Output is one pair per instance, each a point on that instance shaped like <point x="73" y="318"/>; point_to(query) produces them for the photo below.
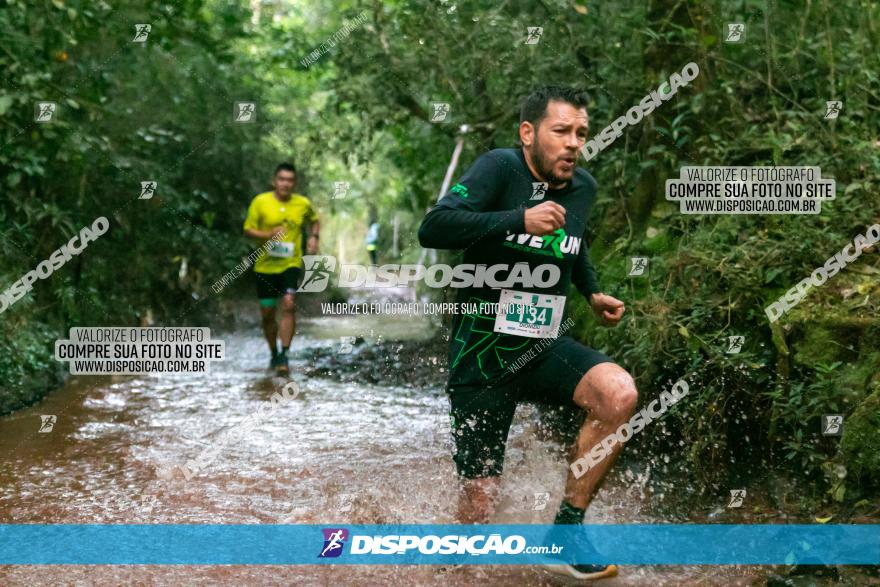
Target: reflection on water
<point x="339" y="452"/>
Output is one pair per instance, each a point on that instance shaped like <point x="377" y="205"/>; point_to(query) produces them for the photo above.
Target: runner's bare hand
<point x="607" y="308"/>
<point x="544" y="218"/>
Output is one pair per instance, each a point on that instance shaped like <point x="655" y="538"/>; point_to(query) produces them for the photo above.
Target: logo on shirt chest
<point x="557" y="244"/>
<point x="289" y="215"/>
<point x="539" y="190"/>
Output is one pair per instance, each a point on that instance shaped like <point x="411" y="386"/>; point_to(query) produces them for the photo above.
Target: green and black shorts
<point x="271" y="286"/>
<point x="481" y="416"/>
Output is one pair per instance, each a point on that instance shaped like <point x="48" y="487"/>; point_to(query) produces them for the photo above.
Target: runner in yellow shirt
<point x="279" y="267"/>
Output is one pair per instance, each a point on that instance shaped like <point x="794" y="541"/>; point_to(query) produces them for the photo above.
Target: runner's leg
<point x="270" y="328"/>
<point x="476" y="502"/>
<point x="290" y="280"/>
<point x="609" y="393"/>
<point x="576" y="375"/>
<point x="480" y="421"/>
<point x="268" y="291"/>
<point x="288" y="319"/>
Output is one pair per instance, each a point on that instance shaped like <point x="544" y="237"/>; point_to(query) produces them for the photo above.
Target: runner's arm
<point x="444" y="228"/>
<point x="311" y="218"/>
<point x="466" y="214"/>
<point x="261" y="234"/>
<point x="314" y="233"/>
<point x="584" y="275"/>
<point x="314" y="230"/>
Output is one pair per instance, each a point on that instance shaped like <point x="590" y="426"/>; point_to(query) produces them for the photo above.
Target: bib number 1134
<point x="529" y="314"/>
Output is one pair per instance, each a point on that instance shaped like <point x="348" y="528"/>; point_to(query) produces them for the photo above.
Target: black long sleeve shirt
<point x="484" y="214"/>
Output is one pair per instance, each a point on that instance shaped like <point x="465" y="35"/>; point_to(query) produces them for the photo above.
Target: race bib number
<point x="280" y="249"/>
<point x="529" y="314"/>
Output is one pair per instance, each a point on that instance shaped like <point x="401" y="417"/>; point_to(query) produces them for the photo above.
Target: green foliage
<point x="861" y="435"/>
<point x="127" y="112"/>
<point x="27" y="370"/>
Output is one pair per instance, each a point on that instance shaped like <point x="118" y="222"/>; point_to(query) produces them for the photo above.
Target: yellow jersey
<point x="266" y="212"/>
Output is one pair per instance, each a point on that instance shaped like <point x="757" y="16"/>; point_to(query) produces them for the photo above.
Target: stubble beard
<point x="545" y="169"/>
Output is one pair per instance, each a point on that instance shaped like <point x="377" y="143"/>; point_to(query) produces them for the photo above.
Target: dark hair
<point x="285" y="167"/>
<point x="534" y="107"/>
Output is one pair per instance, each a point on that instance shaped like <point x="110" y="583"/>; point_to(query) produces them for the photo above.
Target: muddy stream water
<point x="346" y="450"/>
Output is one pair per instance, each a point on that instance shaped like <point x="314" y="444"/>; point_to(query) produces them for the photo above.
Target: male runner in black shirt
<point x="528" y="205"/>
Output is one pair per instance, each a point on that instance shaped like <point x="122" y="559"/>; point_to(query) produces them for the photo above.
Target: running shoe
<point x="581" y="571"/>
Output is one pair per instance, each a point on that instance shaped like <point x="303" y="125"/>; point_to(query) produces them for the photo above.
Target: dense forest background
<point x="162" y="110"/>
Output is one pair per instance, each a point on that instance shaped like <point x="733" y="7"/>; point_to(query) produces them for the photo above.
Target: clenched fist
<point x="608" y="309"/>
<point x="544" y="218"/>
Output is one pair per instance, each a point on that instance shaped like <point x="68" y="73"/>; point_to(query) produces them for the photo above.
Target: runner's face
<point x="284" y="182"/>
<point x="560" y="135"/>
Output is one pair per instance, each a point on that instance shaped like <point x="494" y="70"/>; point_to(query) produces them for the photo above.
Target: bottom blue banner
<point x="636" y="544"/>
